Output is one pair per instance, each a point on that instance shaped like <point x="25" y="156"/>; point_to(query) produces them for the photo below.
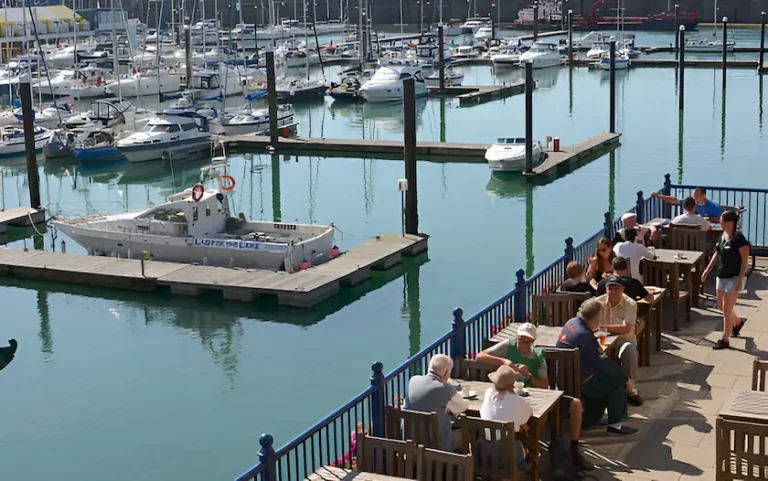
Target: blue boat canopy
<point x="255" y="95"/>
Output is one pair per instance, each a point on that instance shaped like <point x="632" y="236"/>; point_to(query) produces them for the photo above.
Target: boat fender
<point x="197" y="192"/>
<point x="335" y="252"/>
<point x="304" y="266"/>
<point x="226" y="186"/>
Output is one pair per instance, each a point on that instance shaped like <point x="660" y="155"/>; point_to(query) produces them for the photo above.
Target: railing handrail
<point x="714" y="188"/>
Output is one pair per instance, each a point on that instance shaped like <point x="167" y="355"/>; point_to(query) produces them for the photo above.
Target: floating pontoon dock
<point x="469" y="95"/>
<point x="20" y="216"/>
<point x="301" y="289"/>
<point x="568" y="156"/>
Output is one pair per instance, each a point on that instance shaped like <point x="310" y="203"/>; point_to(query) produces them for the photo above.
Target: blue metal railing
<point x="332" y="440"/>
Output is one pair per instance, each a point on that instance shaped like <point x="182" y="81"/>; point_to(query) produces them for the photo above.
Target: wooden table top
<point x="541" y="400"/>
<point x="671" y="256"/>
<point x="716" y="227"/>
<point x="658" y="296"/>
<point x="330" y="473"/>
<point x="749" y="406"/>
<point x="546" y="336"/>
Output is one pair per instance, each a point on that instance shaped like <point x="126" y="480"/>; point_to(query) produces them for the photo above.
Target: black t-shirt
<point x="730" y="258"/>
<point x="571" y="286"/>
<point x="632" y="288"/>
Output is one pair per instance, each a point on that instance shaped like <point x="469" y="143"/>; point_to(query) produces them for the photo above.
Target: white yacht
<point x="82" y="83"/>
<point x="453" y="78"/>
<point x="195" y="226"/>
<point x="598" y="49"/>
<point x="542" y="55"/>
<point x="465" y="52"/>
<point x="508" y="155"/>
<point x="184" y="132"/>
<point x="472" y="25"/>
<point x="508" y="55"/>
<point x="145" y="83"/>
<point x="484" y="33"/>
<point x="12" y="141"/>
<point x="247" y="121"/>
<point x="386" y="85"/>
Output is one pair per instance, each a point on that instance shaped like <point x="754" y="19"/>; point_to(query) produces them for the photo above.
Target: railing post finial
<point x="639" y="208"/>
<point x="459" y="345"/>
<point x="667" y="184"/>
<point x="377" y="400"/>
<point x="568" y="250"/>
<point x="267" y="457"/>
<point x="520" y="296"/>
<point x="608" y="226"/>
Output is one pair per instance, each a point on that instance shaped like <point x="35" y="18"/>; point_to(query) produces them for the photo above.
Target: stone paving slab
<point x="684" y="389"/>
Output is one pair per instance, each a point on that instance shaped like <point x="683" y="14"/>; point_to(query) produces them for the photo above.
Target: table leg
<point x="695" y="285"/>
<point x="536" y="450"/>
<point x="658" y="325"/>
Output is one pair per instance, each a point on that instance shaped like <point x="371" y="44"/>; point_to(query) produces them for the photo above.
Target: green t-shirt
<point x="536" y="363"/>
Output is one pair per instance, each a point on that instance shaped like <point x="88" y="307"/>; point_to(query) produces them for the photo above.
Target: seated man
<point x="501" y="404"/>
<point x="575" y="281"/>
<point x="704" y="207"/>
<point x="645" y="233"/>
<point x="619" y="316"/>
<point x="690" y="217"/>
<point x="531" y="368"/>
<point x="633" y="252"/>
<point x="632" y="287"/>
<point x="603" y="382"/>
<point x="431" y="393"/>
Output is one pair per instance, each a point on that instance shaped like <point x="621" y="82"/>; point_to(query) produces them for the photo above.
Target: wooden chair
<point x="471" y="370"/>
<point x="643" y="333"/>
<point x="667" y="275"/>
<point x="564" y="370"/>
<point x="687" y="238"/>
<point x="553" y="309"/>
<point x="435" y="465"/>
<point x="496" y="458"/>
<point x="759" y="374"/>
<point x="741" y="450"/>
<point x="487" y="344"/>
<point x="421" y="428"/>
<point x="386" y="456"/>
<point x="578" y="300"/>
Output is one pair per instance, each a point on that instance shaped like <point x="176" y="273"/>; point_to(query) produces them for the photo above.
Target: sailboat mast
<point x="440" y="6"/>
<point x="115" y="62"/>
<point x="401" y="18"/>
<point x="714" y="21"/>
<point x="306" y="37"/>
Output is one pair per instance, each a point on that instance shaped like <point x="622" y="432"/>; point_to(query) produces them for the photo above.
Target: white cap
<point x="628" y="215"/>
<point x="527" y="329"/>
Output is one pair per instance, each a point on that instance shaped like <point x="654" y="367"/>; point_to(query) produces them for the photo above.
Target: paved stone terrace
<point x="684" y="389"/>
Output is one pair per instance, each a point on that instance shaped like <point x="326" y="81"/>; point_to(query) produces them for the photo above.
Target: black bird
<point x="7" y="353"/>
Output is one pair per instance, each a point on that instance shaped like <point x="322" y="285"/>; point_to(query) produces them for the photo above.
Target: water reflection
<point x="570" y="91"/>
<point x="544" y="77"/>
<point x="387" y="117"/>
<point x="680" y="149"/>
<point x="45" y="335"/>
<point x="722" y="127"/>
<point x="277" y="214"/>
<point x="612" y="183"/>
<point x="528" y="229"/>
<point x="760" y="103"/>
<point x="507" y="184"/>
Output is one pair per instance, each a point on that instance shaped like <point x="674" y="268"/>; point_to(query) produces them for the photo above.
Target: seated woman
<point x="575" y="281"/>
<point x="500" y="404"/>
<point x="600" y="264"/>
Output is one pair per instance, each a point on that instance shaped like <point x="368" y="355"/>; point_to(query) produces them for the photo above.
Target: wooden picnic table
<point x="543" y="402"/>
<point x="746" y="406"/>
<point x="546" y="336"/>
<point x="645" y="308"/>
<point x="686" y="261"/>
<point x="331" y="473"/>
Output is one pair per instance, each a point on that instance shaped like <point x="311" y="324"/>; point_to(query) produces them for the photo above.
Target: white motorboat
<point x="386" y="85"/>
<point x="195" y="226"/>
<point x="248" y="121"/>
<point x="465" y="52"/>
<point x="588" y="39"/>
<point x="145" y="83"/>
<point x="508" y="155"/>
<point x="114" y="113"/>
<point x="484" y="33"/>
<point x="709" y="46"/>
<point x="12" y="140"/>
<point x="598" y="50"/>
<point x="54" y="113"/>
<point x="301" y="58"/>
<point x="507" y="56"/>
<point x="621" y="62"/>
<point x="453" y="78"/>
<point x="209" y="82"/>
<point x="472" y="25"/>
<point x="542" y="55"/>
<point x="86" y="82"/>
<point x="184" y="132"/>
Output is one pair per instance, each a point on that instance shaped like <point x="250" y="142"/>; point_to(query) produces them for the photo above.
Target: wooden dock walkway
<point x="301" y="289"/>
<point x="475" y="95"/>
<point x="464" y="152"/>
<point x="20" y="216"/>
<point x="570" y="155"/>
<point x="671" y="62"/>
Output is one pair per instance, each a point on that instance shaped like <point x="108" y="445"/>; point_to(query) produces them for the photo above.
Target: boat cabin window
<point x="207" y="210"/>
<point x="194" y="213"/>
<point x="189" y="127"/>
<point x="161" y="128"/>
<point x="405" y="76"/>
<point x="165" y="215"/>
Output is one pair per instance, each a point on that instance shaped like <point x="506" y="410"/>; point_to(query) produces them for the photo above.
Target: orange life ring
<point x="230" y="185"/>
<point x="197" y="192"/>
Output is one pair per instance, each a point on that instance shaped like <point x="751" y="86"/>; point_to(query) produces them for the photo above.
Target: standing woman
<point x="600" y="264"/>
<point x="733" y="251"/>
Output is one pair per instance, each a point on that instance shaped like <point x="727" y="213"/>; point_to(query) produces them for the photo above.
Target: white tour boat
<point x="195" y="226"/>
<point x="508" y="155"/>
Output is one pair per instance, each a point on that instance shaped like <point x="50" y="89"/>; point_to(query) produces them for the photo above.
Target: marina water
<point x="121" y="385"/>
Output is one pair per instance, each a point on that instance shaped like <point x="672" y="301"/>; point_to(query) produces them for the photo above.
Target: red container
<point x="556" y="144"/>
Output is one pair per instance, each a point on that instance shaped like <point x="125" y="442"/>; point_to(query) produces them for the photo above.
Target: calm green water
<point x="118" y="385"/>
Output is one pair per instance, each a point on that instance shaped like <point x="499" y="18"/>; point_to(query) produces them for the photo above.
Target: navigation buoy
<point x="197" y="192"/>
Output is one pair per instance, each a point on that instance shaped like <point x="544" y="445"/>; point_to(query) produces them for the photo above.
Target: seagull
<point x="7" y="353"/>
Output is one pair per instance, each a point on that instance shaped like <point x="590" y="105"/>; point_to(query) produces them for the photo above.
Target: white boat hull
<point x="451" y="81"/>
<point x="144" y="153"/>
<point x="132" y="87"/>
<point x="88" y="91"/>
<point x="511" y="158"/>
<point x="261" y="126"/>
<point x="17" y="147"/>
<point x="502" y="60"/>
<point x="619" y="64"/>
<point x="208" y="251"/>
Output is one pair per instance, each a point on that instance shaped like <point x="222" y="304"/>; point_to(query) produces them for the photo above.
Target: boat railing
<point x="332" y="440"/>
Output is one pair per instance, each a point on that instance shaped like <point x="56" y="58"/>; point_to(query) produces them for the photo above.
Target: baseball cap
<point x="614" y="281"/>
<point x="628" y="215"/>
